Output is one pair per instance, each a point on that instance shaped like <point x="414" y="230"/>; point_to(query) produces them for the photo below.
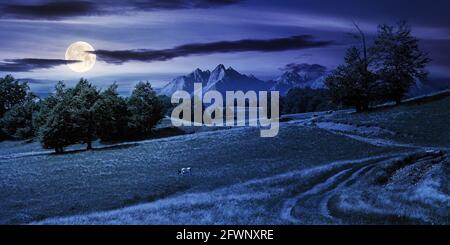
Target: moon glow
<point x="78" y="51"/>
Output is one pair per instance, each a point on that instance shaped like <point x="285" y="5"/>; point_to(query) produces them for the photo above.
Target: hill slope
<point x="389" y="167"/>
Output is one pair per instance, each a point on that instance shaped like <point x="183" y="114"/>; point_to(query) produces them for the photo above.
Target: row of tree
<point x="17" y="105"/>
<point x="384" y="71"/>
<point x="301" y="100"/>
<point x="77" y="115"/>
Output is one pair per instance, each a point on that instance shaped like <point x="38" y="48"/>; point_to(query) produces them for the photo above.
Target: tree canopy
<point x="144" y="108"/>
<point x="83" y="114"/>
<point x="398" y="60"/>
<point x="383" y="72"/>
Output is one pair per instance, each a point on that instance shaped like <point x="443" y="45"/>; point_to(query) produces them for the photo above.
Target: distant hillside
<point x="303" y="76"/>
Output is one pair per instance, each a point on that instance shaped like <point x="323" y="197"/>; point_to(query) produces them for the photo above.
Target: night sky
<point x="157" y="40"/>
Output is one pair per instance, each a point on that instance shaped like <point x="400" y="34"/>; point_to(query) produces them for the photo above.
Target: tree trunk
<point x="89" y="145"/>
<point x="365" y="107"/>
<point x="359" y="108"/>
<point x="362" y="107"/>
<point x="398" y="101"/>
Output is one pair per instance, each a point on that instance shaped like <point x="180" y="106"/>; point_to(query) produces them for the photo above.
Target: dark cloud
<point x="49" y="10"/>
<point x="179" y="4"/>
<point x="71" y="8"/>
<point x="24" y="65"/>
<point x="304" y="67"/>
<point x="268" y="45"/>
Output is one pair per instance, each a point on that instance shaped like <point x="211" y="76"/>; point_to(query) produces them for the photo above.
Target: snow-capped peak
<point x="301" y="76"/>
<point x="217" y="74"/>
<point x="289" y="78"/>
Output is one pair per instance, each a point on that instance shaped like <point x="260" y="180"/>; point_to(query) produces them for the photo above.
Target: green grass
<point x="426" y="124"/>
<point x="36" y="187"/>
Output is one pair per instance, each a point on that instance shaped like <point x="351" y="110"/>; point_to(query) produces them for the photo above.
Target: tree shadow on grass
<point x="128" y="143"/>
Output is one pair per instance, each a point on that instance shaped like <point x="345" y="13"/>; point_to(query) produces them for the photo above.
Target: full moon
<point x="78" y="51"/>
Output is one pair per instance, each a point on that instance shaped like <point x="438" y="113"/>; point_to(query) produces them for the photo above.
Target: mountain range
<point x="221" y="79"/>
<point x="302" y="76"/>
<point x="228" y="79"/>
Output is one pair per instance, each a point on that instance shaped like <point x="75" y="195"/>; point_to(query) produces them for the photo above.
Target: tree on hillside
<point x="110" y="115"/>
<point x="12" y="92"/>
<point x="352" y="84"/>
<point x="60" y="129"/>
<point x="84" y="95"/>
<point x="46" y="105"/>
<point x="17" y="105"/>
<point x="82" y="114"/>
<point x="399" y="61"/>
<point x="145" y="110"/>
<point x="166" y="103"/>
<point x="56" y="120"/>
<point x="67" y="117"/>
<point x="17" y="122"/>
